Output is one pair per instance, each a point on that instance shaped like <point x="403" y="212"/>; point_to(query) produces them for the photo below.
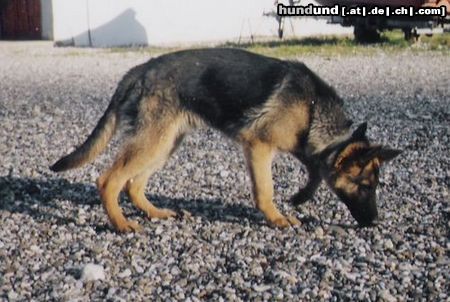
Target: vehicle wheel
<point x="411" y="35"/>
<point x="365" y="34"/>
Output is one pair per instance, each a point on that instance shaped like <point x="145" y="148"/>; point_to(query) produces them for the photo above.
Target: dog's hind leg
<point x="259" y="159"/>
<point x="146" y="152"/>
<point x="135" y="188"/>
<point x="127" y="165"/>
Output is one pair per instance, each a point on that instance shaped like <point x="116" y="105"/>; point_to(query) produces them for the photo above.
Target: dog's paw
<point x="128" y="226"/>
<point x="293" y="220"/>
<point x="284" y="222"/>
<point x="280" y="222"/>
<point x="161" y="214"/>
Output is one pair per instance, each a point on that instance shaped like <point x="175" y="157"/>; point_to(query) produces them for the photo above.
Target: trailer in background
<point x="367" y="29"/>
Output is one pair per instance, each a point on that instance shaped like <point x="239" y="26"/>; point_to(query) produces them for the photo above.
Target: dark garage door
<point x="20" y="19"/>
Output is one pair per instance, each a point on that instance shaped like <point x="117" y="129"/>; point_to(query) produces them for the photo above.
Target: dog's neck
<point x="329" y="127"/>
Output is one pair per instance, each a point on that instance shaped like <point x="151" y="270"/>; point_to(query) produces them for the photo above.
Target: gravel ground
<point x="56" y="243"/>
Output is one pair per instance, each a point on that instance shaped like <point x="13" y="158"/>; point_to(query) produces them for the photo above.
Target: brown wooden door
<point x="20" y="19"/>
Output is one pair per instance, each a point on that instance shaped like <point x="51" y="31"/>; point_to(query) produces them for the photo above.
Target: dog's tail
<point x="102" y="133"/>
<point x="93" y="145"/>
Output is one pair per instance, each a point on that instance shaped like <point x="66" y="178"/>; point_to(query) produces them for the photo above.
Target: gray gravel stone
<point x="220" y="248"/>
<point x="92" y="272"/>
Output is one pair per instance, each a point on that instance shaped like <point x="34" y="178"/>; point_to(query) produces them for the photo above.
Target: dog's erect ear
<point x="358" y="135"/>
<point x="386" y="154"/>
<point x="360" y="132"/>
<point x="381" y="154"/>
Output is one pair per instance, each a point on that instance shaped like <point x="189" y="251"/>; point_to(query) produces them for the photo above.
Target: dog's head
<point x="353" y="173"/>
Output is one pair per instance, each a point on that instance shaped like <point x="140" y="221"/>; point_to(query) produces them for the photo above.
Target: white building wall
<point x="172" y="22"/>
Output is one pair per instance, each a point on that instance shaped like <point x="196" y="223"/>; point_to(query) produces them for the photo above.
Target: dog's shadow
<point x="43" y="200"/>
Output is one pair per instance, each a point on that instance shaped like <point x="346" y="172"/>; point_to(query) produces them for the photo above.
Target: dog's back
<point x="227" y="88"/>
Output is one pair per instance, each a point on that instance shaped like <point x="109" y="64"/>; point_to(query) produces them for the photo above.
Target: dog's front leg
<point x="306" y="193"/>
<point x="259" y="159"/>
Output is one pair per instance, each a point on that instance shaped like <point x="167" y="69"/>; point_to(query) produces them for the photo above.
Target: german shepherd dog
<point x="265" y="104"/>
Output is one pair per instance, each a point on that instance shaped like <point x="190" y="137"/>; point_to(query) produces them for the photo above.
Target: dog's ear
<point x="360" y="132"/>
<point x="380" y="153"/>
<point x="385" y="154"/>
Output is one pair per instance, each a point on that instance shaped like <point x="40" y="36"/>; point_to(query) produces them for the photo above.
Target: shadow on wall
<point x="123" y="30"/>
